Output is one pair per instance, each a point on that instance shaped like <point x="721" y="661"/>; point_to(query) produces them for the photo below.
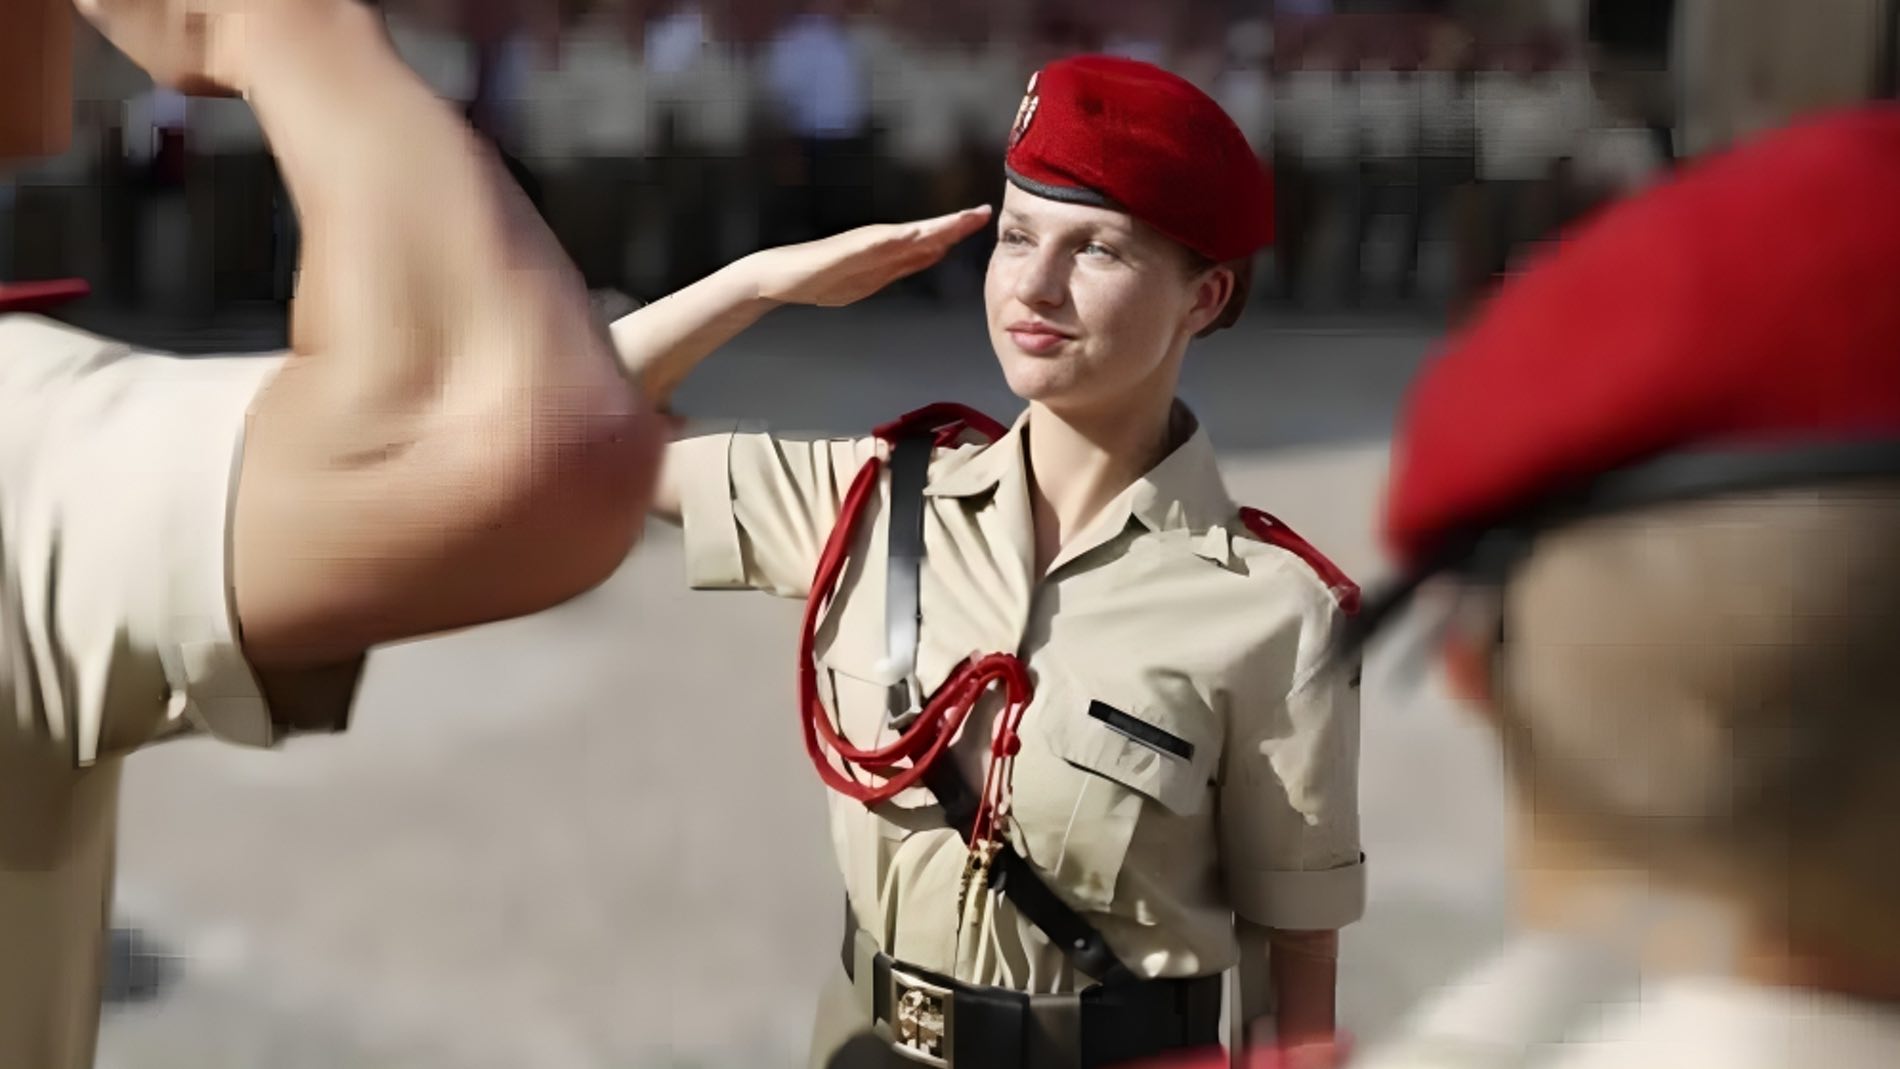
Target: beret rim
<point x="1486" y="552"/>
<point x="1066" y="194"/>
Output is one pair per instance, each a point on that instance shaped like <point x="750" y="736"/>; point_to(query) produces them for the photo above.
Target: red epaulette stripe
<point x="1274" y="533"/>
<point x="948" y="419"/>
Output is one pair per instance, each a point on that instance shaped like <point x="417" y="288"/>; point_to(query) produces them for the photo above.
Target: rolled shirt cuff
<point x="1301" y="900"/>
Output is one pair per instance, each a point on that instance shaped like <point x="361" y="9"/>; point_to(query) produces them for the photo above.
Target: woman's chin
<point x="1036" y="378"/>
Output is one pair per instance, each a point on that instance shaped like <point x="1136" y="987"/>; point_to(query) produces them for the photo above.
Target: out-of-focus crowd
<point x="662" y="138"/>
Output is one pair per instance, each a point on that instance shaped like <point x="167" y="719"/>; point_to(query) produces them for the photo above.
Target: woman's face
<point x="1089" y="308"/>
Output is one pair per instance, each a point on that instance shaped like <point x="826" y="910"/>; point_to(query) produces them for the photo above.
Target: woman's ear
<point x="1213" y="293"/>
<point x="1239" y="285"/>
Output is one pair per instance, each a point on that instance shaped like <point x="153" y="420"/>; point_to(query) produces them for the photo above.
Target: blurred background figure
<point x="1390" y="116"/>
<point x="819" y="85"/>
<point x="1448" y="147"/>
<point x="1523" y="138"/>
<point x="1419" y="147"/>
<point x="1242" y="83"/>
<point x="1317" y="157"/>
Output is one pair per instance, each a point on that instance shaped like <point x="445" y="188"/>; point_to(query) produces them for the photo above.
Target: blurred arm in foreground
<point x="214" y="543"/>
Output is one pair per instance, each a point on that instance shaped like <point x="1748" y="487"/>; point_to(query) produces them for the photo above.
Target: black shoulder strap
<point x="1010" y="873"/>
<point x="903" y="612"/>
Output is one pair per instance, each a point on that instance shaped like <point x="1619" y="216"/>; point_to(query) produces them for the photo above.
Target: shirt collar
<point x="976" y="470"/>
<point x="1183" y="492"/>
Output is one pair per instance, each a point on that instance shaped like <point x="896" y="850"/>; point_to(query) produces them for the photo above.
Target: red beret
<point x="1733" y="329"/>
<point x="1122" y="134"/>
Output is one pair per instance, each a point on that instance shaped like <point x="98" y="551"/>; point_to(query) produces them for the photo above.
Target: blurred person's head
<point x="1133" y="210"/>
<point x="1705" y="691"/>
<point x="36" y="64"/>
<point x="1674" y="541"/>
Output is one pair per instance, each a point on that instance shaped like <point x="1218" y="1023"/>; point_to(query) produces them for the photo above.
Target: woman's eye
<point x="1096" y="248"/>
<point x="1015" y="237"/>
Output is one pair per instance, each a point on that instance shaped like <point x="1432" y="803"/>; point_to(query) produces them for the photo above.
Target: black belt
<point x="939" y="1021"/>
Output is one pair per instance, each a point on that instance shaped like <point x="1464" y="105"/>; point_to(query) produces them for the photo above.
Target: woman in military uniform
<point x="1067" y="696"/>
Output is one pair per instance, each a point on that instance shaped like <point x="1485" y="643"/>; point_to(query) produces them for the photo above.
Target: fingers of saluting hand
<point x="938" y="234"/>
<point x="949" y="229"/>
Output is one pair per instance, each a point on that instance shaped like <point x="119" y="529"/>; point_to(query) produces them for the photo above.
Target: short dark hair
<point x="1705" y="691"/>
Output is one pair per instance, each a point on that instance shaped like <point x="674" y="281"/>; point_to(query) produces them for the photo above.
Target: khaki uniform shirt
<point x="116" y="628"/>
<point x="1164" y="610"/>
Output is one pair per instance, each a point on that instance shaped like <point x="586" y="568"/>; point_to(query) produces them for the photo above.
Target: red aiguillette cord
<point x="925" y="740"/>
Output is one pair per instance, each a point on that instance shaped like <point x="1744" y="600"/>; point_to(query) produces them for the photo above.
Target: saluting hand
<point x="192" y="45"/>
<point x="849" y="267"/>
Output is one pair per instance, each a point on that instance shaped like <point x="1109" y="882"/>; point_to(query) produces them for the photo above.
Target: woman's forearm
<point x="661" y="343"/>
<point x="1304" y="968"/>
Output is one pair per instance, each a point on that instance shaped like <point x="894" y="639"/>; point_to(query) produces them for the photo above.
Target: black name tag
<point x="1141" y="731"/>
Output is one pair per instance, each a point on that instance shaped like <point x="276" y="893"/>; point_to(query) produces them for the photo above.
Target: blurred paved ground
<point x="590" y="839"/>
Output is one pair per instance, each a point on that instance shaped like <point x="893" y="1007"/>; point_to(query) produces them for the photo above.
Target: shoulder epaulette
<point x="1274" y="533"/>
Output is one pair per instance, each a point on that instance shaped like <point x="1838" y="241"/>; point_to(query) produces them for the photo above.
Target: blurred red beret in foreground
<point x="1119" y="133"/>
<point x="1734" y="329"/>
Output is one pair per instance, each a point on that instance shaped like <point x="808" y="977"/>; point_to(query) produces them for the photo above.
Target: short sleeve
<point x="758" y="509"/>
<point x="118" y="473"/>
<point x="1289" y="794"/>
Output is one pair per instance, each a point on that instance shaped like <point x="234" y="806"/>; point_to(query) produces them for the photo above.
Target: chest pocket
<point x="1094" y="764"/>
<point x="856" y="687"/>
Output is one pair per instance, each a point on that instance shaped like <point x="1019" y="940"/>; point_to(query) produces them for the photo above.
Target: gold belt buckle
<point x="921" y="1016"/>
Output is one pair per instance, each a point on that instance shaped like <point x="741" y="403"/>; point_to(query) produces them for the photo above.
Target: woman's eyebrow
<point x="1101" y="228"/>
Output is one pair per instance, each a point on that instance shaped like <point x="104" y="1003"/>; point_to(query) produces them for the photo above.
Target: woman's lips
<point x="1035" y="338"/>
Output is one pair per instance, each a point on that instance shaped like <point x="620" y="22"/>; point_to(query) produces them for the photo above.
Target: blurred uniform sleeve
<point x="757" y="509"/>
<point x="118" y="473"/>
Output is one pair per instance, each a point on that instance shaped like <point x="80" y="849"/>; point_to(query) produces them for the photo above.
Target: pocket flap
<point x="1165" y="755"/>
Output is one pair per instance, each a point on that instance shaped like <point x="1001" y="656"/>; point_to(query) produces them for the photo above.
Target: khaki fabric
<point x="1551" y="1001"/>
<point x="1512" y="1010"/>
<point x="116" y="628"/>
<point x="1164" y="610"/>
